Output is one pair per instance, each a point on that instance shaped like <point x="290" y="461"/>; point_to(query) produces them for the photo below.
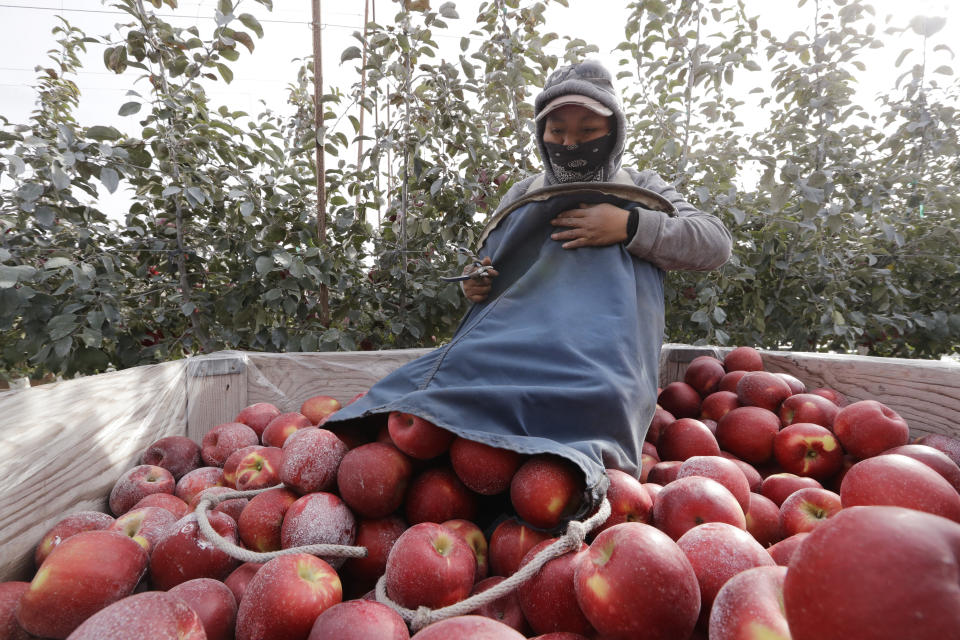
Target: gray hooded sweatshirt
<point x="688" y="239"/>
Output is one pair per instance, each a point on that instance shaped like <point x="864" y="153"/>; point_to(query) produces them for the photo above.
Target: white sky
<point x="26" y="37"/>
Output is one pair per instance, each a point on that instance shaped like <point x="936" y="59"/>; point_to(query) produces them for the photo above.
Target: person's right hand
<point x="477" y="289"/>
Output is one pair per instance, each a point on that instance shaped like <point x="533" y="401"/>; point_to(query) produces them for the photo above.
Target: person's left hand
<point x="591" y="225"/>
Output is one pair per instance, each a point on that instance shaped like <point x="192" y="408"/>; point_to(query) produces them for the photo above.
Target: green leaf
<point x="246" y="208"/>
<point x="129" y="108"/>
<point x="45" y="216"/>
<point x="9" y="276"/>
<point x="448" y="10"/>
<point x="350" y="53"/>
<point x="170" y="191"/>
<point x="225" y="72"/>
<point x="927" y="26"/>
<point x="57" y="262"/>
<point x="264" y="264"/>
<point x="109" y="178"/>
<point x="225" y="7"/>
<point x="251" y="23"/>
<point x="103" y="133"/>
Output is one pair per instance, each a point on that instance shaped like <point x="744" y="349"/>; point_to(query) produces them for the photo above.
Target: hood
<point x="588" y="78"/>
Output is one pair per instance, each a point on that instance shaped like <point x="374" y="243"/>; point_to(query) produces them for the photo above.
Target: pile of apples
<point x="762" y="510"/>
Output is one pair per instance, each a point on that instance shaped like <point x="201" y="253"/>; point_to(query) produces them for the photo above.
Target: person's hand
<point x="477" y="289"/>
<point x="591" y="225"/>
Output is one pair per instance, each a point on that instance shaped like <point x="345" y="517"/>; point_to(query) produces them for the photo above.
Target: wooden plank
<point x="926" y="393"/>
<point x="216" y="391"/>
<point x="287" y="380"/>
<point x="66" y="444"/>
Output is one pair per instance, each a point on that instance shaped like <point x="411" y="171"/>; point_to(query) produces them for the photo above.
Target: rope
<point x="571" y="540"/>
<point x="246" y="555"/>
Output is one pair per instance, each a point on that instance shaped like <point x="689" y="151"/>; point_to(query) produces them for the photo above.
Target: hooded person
<point x="559" y="354"/>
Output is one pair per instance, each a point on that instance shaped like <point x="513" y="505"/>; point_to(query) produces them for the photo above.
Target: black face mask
<point x="584" y="162"/>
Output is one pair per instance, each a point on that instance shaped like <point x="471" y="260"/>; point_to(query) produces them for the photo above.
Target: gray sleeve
<point x="690" y="240"/>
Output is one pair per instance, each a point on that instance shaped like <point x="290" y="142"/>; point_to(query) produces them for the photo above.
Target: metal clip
<point x="481" y="270"/>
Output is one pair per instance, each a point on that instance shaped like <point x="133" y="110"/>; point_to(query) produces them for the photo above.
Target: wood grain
<point x="65" y="444"/>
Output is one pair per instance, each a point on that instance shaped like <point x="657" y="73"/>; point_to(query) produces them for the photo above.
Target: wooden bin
<point x="66" y="444"/>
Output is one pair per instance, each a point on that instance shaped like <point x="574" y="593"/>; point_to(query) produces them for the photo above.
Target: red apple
<point x="868" y="428"/>
<point x="184" y="553"/>
<point x="847" y="580"/>
<point x="505" y="609"/>
<point x="377" y="536"/>
<point x="749" y="606"/>
<point x="636" y="583"/>
<point x="146" y="525"/>
<point x="255" y="468"/>
<point x="743" y="359"/>
<point x="663" y="473"/>
<point x="704" y="374"/>
<point x="509" y="543"/>
<point x="436" y="495"/>
<point x="310" y="459"/>
<point x="67" y="526"/>
<point x="807" y="449"/>
<point x="686" y="437"/>
<point x="318" y="408"/>
<point x="193" y="482"/>
<point x="763" y="520"/>
<point x="224" y="439"/>
<point x="285" y="597"/>
<point x="154" y="614"/>
<point x="482" y="468"/>
<point x="629" y="501"/>
<point x="808" y="407"/>
<point x="214" y="603"/>
<point x="546" y="489"/>
<point x="895" y="479"/>
<point x="167" y="501"/>
<point x="762" y="389"/>
<point x="257" y="416"/>
<point x="796" y="385"/>
<point x="10" y="594"/>
<point x="680" y="399"/>
<point x="688" y="502"/>
<point x="469" y="626"/>
<point x="282" y="427"/>
<point x="359" y="620"/>
<point x="176" y="454"/>
<point x="135" y="483"/>
<point x="782" y="552"/>
<point x="430" y="566"/>
<point x="933" y="458"/>
<point x="372" y="479"/>
<point x="260" y="522"/>
<point x="724" y="471"/>
<point x="473" y="536"/>
<point x="416" y="437"/>
<point x="718" y="404"/>
<point x="82" y="575"/>
<point x="318" y="518"/>
<point x="806" y="509"/>
<point x="647" y="462"/>
<point x="233" y="507"/>
<point x="779" y="486"/>
<point x="240" y="577"/>
<point x="730" y="380"/>
<point x="944" y="443"/>
<point x="832" y="395"/>
<point x="754" y="479"/>
<point x="661" y="418"/>
<point x="549" y="599"/>
<point x="748" y="432"/>
<point x="718" y="551"/>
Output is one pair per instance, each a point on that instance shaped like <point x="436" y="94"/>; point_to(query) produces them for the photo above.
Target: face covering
<point x="584" y="162"/>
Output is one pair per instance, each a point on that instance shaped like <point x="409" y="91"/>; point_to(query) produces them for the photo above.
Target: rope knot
<point x="576" y="533"/>
<point x="422" y="617"/>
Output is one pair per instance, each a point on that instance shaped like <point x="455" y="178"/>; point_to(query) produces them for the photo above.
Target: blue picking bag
<point x="561" y="358"/>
